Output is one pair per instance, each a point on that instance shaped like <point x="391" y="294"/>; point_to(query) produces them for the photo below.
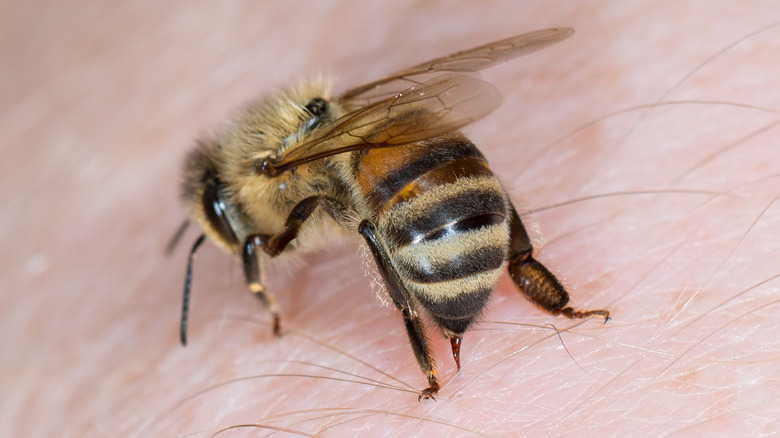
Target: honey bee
<point x="385" y="161"/>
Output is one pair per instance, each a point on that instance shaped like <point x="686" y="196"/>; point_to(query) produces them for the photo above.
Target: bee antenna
<point x="176" y="237"/>
<point x="185" y="304"/>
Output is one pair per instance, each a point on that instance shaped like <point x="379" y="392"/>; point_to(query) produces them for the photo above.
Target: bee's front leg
<point x="274" y="245"/>
<point x="254" y="278"/>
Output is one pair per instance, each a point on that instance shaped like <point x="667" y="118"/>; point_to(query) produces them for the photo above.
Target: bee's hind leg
<point x="535" y="281"/>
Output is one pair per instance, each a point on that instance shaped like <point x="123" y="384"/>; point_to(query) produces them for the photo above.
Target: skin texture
<point x="665" y="215"/>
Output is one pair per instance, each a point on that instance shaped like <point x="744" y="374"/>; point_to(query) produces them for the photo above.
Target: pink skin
<point x="665" y="216"/>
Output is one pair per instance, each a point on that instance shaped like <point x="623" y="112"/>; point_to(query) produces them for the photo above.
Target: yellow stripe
<point x="443" y="250"/>
<point x="421" y="204"/>
<point x="456" y="288"/>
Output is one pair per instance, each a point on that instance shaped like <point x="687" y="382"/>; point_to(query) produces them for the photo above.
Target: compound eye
<point x="317" y="106"/>
<point x="215" y="208"/>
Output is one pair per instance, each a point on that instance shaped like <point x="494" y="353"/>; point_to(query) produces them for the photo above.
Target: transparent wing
<point x="466" y="61"/>
<point x="443" y="104"/>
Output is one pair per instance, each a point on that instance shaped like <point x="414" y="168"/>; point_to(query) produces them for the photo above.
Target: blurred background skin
<point x="664" y="215"/>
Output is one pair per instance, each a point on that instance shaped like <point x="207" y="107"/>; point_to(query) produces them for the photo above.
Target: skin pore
<point x="642" y="153"/>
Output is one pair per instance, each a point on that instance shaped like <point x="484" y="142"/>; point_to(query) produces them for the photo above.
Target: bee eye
<point x="214" y="207"/>
<point x="317" y="106"/>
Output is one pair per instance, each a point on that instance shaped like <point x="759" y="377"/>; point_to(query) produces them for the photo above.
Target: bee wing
<point x="466" y="61"/>
<point x="443" y="104"/>
<point x="417" y="103"/>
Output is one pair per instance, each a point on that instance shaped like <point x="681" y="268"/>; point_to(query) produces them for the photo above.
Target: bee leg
<point x="535" y="281"/>
<point x="299" y="214"/>
<point x="254" y="278"/>
<point x="274" y="246"/>
<point x="403" y="302"/>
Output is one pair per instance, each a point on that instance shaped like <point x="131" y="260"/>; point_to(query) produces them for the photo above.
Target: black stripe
<point x="463" y="205"/>
<point x="439" y="152"/>
<point x="464" y="225"/>
<point x="458" y="313"/>
<point x="481" y="260"/>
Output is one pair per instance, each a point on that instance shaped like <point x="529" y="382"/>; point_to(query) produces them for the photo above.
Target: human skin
<point x="664" y="214"/>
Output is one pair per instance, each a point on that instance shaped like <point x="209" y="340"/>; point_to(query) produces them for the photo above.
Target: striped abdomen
<point x="442" y="215"/>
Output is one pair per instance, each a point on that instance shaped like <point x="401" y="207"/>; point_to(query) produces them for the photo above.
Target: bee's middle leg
<point x="405" y="305"/>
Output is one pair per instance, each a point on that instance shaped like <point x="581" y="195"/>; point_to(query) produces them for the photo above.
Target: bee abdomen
<point x="443" y="216"/>
<point x="451" y="249"/>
